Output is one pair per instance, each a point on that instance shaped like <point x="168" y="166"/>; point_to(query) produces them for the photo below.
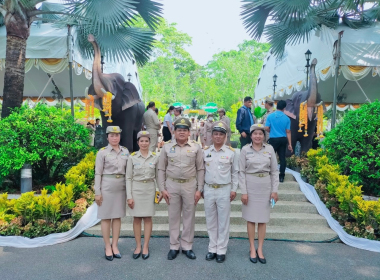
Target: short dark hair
<point x="171" y="108"/>
<point x="281" y="105"/>
<point x="247" y="98"/>
<point x="156" y="110"/>
<point x="150" y="105"/>
<point x="97" y="120"/>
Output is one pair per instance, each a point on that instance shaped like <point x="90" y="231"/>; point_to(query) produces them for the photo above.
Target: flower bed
<point x="343" y="198"/>
<point x="33" y="216"/>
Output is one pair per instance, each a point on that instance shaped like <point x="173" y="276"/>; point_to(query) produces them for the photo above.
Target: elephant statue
<point x="127" y="107"/>
<point x="313" y="99"/>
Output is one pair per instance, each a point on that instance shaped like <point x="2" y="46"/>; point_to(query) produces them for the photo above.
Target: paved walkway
<point x="83" y="258"/>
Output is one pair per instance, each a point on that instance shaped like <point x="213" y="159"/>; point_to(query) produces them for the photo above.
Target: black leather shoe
<point x="190" y="254"/>
<point x="210" y="256"/>
<point x="253" y="260"/>
<point x="116" y="256"/>
<point x="136" y="256"/>
<point x="262" y="260"/>
<point x="281" y="179"/>
<point x="108" y="258"/>
<point x="172" y="254"/>
<point x="220" y="258"/>
<point x="145" y="256"/>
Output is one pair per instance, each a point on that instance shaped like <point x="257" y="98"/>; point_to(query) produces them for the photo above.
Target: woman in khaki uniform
<point x="202" y="133"/>
<point x="110" y="192"/>
<point x="141" y="182"/>
<point x="258" y="181"/>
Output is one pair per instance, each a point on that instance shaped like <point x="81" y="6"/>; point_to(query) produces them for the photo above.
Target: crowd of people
<point x="196" y="161"/>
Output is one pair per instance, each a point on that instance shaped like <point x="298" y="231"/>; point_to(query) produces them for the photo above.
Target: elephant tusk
<point x="103" y="90"/>
<point x="86" y="93"/>
<point x="319" y="104"/>
<point x="113" y="97"/>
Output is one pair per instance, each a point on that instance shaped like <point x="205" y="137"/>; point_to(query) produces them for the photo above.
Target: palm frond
<point x="103" y="17"/>
<point x="123" y="44"/>
<point x="150" y="11"/>
<point x="295" y="19"/>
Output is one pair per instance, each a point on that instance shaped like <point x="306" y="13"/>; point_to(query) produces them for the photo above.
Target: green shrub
<point x="354" y="144"/>
<point x="47" y="138"/>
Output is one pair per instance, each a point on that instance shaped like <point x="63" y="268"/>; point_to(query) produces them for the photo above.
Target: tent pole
<point x="70" y="70"/>
<point x="337" y="64"/>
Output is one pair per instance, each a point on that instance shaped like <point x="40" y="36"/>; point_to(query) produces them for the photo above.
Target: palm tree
<point x="111" y="22"/>
<point x="291" y="21"/>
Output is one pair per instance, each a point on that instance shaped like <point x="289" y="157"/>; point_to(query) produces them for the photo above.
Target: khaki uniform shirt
<point x="194" y="127"/>
<point x="264" y="120"/>
<point x="108" y="161"/>
<point x="208" y="133"/>
<point x="150" y="120"/>
<point x="181" y="163"/>
<point x="221" y="167"/>
<point x="252" y="161"/>
<point x="141" y="169"/>
<point x="227" y="121"/>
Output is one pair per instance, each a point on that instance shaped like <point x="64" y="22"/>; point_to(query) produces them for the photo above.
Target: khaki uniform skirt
<point x="258" y="208"/>
<point x="143" y="196"/>
<point x="114" y="198"/>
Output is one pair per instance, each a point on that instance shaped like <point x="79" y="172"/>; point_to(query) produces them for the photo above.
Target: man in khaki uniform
<point x="221" y="182"/>
<point x="152" y="124"/>
<point x="181" y="180"/>
<point x="226" y="120"/>
<point x="269" y="106"/>
<point x="194" y="130"/>
<point x="208" y="129"/>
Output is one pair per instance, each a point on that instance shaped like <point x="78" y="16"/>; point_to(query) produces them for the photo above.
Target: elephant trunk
<point x="312" y="91"/>
<point x="96" y="71"/>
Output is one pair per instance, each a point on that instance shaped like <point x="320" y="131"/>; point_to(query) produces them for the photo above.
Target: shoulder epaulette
<point x="232" y="149"/>
<point x="153" y="153"/>
<point x="205" y="148"/>
<point x="133" y="153"/>
<point x="123" y="147"/>
<point x="246" y="145"/>
<point x="103" y="148"/>
<point x="168" y="141"/>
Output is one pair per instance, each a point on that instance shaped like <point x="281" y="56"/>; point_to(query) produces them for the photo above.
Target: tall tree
<point x="293" y="20"/>
<point x="111" y="22"/>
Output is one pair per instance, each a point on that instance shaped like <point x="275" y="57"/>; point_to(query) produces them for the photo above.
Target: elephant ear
<point x="130" y="96"/>
<point x="293" y="105"/>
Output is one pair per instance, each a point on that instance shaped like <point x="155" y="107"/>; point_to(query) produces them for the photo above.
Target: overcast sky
<point x="214" y="25"/>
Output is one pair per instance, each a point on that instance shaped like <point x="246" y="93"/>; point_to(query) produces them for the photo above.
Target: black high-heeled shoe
<point x="145" y="256"/>
<point x="262" y="260"/>
<point x="136" y="256"/>
<point x="117" y="256"/>
<point x="108" y="258"/>
<point x="253" y="260"/>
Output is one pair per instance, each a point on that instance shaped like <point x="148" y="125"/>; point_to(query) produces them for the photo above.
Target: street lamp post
<point x="274" y="84"/>
<point x="307" y="56"/>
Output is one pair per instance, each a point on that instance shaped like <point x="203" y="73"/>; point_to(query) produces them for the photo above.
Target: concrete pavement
<point x="83" y="258"/>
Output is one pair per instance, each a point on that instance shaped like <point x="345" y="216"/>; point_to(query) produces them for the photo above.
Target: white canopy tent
<point x="360" y="64"/>
<point x="47" y="51"/>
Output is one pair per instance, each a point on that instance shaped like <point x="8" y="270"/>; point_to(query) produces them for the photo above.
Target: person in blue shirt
<point x="278" y="126"/>
<point x="244" y="121"/>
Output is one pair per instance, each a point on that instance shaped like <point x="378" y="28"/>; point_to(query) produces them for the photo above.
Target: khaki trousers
<point x="217" y="210"/>
<point x="193" y="135"/>
<point x="153" y="139"/>
<point x="181" y="200"/>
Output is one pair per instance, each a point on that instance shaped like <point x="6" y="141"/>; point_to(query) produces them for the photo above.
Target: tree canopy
<point x="172" y="75"/>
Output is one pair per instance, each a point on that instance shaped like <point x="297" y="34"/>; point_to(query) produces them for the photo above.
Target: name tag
<point x="224" y="157"/>
<point x="249" y="153"/>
